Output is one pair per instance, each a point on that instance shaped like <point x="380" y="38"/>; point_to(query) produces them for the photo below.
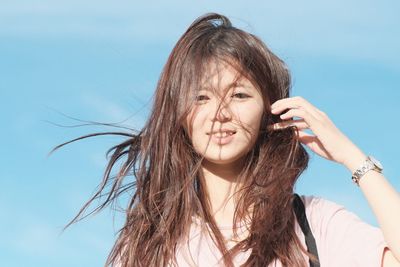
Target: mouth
<point x="222" y="134"/>
<point x="222" y="137"/>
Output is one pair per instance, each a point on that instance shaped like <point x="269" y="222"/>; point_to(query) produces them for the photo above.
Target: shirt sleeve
<point x="342" y="238"/>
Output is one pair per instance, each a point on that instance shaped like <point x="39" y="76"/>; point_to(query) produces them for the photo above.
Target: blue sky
<point x="100" y="61"/>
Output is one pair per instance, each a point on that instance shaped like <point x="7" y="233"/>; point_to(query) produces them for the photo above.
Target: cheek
<point x="250" y="115"/>
<point x="195" y="123"/>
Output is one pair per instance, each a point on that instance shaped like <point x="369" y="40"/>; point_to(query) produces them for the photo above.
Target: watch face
<point x="376" y="162"/>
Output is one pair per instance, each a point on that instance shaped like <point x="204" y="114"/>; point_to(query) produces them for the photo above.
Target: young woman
<point x="212" y="172"/>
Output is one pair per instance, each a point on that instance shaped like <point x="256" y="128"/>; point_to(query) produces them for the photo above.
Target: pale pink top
<point x="342" y="239"/>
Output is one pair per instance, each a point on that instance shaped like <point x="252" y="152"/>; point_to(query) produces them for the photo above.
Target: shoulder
<point x="322" y="213"/>
<point x="319" y="210"/>
<point x="323" y="210"/>
<point x="328" y="216"/>
<point x="338" y="231"/>
<point x="315" y="204"/>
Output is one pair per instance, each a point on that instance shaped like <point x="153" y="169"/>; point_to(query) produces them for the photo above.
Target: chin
<point x="223" y="159"/>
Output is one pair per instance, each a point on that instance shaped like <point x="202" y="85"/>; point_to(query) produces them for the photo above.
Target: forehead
<point x="219" y="75"/>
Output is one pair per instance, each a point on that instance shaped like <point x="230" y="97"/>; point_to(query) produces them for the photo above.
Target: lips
<point x="222" y="137"/>
<point x="222" y="132"/>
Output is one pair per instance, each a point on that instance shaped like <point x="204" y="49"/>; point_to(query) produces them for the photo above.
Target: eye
<point x="240" y="95"/>
<point x="202" y="98"/>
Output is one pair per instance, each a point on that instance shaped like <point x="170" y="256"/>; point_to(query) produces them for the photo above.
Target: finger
<point x="296" y="102"/>
<point x="305" y="115"/>
<point x="315" y="125"/>
<point x="314" y="144"/>
<point x="300" y="124"/>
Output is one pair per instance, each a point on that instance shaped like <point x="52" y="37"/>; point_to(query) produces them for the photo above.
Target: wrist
<point x="354" y="159"/>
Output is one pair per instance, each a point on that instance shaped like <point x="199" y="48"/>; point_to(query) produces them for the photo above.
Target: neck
<point x="221" y="183"/>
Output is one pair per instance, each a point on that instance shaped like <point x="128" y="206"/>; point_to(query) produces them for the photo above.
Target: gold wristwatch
<point x="369" y="164"/>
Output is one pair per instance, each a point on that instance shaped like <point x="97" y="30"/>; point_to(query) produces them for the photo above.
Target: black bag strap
<point x="300" y="212"/>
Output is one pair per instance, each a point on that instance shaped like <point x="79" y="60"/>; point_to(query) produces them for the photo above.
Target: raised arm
<point x="329" y="142"/>
<point x="384" y="201"/>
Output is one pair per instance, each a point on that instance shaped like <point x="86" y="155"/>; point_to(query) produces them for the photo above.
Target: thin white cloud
<point x="110" y="112"/>
<point x="35" y="239"/>
<point x="364" y="30"/>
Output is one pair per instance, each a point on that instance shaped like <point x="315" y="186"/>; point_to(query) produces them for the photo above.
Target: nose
<point x="222" y="112"/>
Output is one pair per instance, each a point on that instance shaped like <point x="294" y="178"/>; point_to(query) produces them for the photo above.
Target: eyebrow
<point x="237" y="84"/>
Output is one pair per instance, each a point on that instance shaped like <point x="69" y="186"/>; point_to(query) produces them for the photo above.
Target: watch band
<point x="370" y="163"/>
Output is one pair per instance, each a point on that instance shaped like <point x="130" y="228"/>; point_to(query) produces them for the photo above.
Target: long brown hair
<point x="162" y="171"/>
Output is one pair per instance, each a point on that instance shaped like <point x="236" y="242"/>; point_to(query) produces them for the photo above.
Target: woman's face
<point x="236" y="122"/>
